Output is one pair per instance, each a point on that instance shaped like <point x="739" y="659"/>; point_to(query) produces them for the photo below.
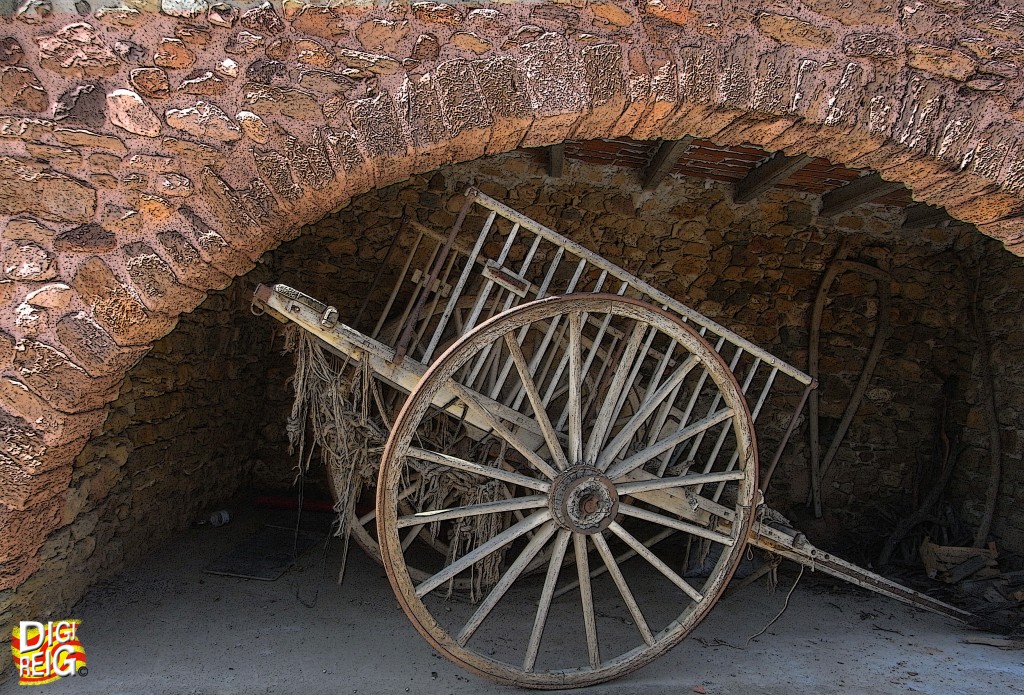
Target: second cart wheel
<point x="616" y="506"/>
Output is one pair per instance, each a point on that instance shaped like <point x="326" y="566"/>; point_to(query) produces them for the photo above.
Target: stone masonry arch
<point x="150" y="152"/>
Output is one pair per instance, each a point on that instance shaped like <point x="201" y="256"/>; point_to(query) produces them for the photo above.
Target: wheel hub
<point x="583" y="500"/>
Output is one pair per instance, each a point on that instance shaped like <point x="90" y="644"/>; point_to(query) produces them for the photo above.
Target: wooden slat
<point x="669" y="152"/>
<point x="556" y="160"/>
<point x="766" y="175"/>
<point x="920" y="216"/>
<point x="862" y="190"/>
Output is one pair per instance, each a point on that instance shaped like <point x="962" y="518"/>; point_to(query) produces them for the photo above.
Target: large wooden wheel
<point x="616" y="511"/>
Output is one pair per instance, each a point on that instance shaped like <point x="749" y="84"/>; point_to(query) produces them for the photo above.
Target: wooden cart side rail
<point x="660" y="297"/>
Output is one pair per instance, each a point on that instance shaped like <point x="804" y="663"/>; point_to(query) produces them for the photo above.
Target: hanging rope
<point x="339" y="403"/>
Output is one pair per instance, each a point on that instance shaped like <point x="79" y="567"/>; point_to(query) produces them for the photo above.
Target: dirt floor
<point x="165" y="626"/>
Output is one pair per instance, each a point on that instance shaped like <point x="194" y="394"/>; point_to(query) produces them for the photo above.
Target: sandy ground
<point x="166" y="627"/>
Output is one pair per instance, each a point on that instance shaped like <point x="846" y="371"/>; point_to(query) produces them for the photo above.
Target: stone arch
<point x="150" y="153"/>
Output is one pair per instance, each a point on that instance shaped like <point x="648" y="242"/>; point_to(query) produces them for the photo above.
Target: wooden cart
<point x="576" y="447"/>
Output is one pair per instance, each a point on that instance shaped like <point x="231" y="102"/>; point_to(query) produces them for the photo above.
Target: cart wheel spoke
<point x="646" y="409"/>
<point x="623" y="587"/>
<point x="693" y="529"/>
<point x="655" y="561"/>
<point x="466" y="561"/>
<point x="668" y="443"/>
<point x="539" y="412"/>
<point x="509" y="505"/>
<point x="546" y="596"/>
<point x="633" y="478"/>
<point x="411" y="536"/>
<point x="611" y="398"/>
<point x="476" y="468"/>
<point x="619" y="559"/>
<point x="632" y="488"/>
<point x="575" y="389"/>
<point x="506" y="581"/>
<point x="587" y="599"/>
<point x="485" y="414"/>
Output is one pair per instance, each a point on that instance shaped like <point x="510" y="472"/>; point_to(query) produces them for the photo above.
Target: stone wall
<point x="999" y="280"/>
<point x="181" y="437"/>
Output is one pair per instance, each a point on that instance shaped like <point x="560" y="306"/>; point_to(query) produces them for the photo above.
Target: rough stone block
<point x="25" y="530"/>
<point x="87" y="238"/>
<point x="437" y="13"/>
<point x="116" y="307"/>
<point x="30" y="189"/>
<point x="195" y="153"/>
<point x="77" y="51"/>
<point x="879" y="46"/>
<point x="228" y="213"/>
<point x="382" y="35"/>
<point x="503" y="86"/>
<point x="327" y="22"/>
<point x="464" y="110"/>
<point x="794" y="31"/>
<point x="190" y="267"/>
<point x="344" y="147"/>
<point x="662" y="100"/>
<point x="14" y="573"/>
<point x="552" y="75"/>
<point x="280" y="101"/>
<point x="606" y="90"/>
<point x="92" y="348"/>
<point x="263" y="18"/>
<point x="677" y="12"/>
<point x="173" y="54"/>
<point x="53" y="426"/>
<point x="857" y="12"/>
<point x="22" y="490"/>
<point x="277" y="172"/>
<point x="417" y="101"/>
<point x="28" y="229"/>
<point x="156" y="282"/>
<point x="27" y="260"/>
<point x="376" y="120"/>
<point x="127" y="110"/>
<point x="311" y="162"/>
<point x="61" y="382"/>
<point x="20" y="89"/>
<point x="222" y="255"/>
<point x="939" y="60"/>
<point x="204" y="120"/>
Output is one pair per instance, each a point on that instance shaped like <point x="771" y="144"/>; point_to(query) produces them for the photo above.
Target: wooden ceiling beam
<point x="665" y="158"/>
<point x="857" y="192"/>
<point x="556" y="160"/>
<point x="920" y="216"/>
<point x="768" y="174"/>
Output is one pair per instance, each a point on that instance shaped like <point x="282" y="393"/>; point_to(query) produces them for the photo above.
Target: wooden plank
<point x="556" y="160"/>
<point x="859" y="191"/>
<point x="768" y="174"/>
<point x="668" y="153"/>
<point x="921" y="215"/>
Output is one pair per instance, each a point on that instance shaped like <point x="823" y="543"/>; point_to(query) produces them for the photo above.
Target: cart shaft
<point x="287" y="304"/>
<point x="796" y="548"/>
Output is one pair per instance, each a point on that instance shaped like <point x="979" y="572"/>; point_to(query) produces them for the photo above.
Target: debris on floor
<point x="266" y="555"/>
<point x="981" y="585"/>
